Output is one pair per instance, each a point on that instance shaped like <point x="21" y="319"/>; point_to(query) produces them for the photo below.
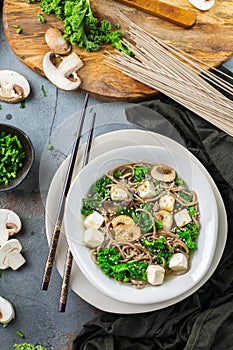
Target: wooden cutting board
<point x="210" y="40"/>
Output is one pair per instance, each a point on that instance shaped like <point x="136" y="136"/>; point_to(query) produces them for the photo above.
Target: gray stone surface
<point x="36" y="311"/>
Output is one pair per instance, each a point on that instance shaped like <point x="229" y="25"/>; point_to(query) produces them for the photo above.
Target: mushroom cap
<point x="7" y="312"/>
<point x="56" y="42"/>
<point x="203" y="5"/>
<point x="163" y="173"/>
<point x="14" y="87"/>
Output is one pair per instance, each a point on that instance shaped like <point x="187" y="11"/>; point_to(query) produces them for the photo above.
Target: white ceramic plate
<point x="79" y="284"/>
<point x="193" y="177"/>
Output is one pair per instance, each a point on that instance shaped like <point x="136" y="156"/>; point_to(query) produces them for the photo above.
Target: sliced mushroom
<point x="10" y="255"/>
<point x="119" y="193"/>
<point x="56" y="42"/>
<point x="163" y="173"/>
<point x="64" y="76"/>
<point x="14" y="87"/>
<point x="122" y="220"/>
<point x="10" y="224"/>
<point x="125" y="228"/>
<point x="7" y="312"/>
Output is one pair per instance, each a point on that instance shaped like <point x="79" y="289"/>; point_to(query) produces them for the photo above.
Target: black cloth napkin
<point x="204" y="320"/>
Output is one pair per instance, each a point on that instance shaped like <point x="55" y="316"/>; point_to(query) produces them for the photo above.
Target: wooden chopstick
<point x="69" y="256"/>
<point x="61" y="208"/>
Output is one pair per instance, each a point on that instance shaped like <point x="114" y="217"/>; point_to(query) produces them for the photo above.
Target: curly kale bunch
<point x="80" y="25"/>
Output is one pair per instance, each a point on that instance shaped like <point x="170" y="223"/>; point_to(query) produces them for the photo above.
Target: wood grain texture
<point x="210" y="40"/>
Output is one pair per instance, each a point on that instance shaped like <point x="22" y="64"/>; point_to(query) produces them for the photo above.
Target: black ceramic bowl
<point x="27" y="161"/>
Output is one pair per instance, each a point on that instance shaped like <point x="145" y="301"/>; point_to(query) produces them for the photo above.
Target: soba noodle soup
<point x="141" y="223"/>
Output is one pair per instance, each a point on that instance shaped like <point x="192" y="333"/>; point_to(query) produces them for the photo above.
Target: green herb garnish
<point x="28" y="347"/>
<point x="20" y="334"/>
<point x="189" y="234"/>
<point x="19" y="30"/>
<point x="80" y="25"/>
<point x="140" y="172"/>
<point x="179" y="181"/>
<point x="108" y="261"/>
<point x="42" y="89"/>
<point x="160" y="249"/>
<point x="192" y="210"/>
<point x="187" y="197"/>
<point x="41" y="18"/>
<point x="99" y="192"/>
<point x="11" y="157"/>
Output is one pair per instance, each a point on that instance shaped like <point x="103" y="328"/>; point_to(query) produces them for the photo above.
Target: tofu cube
<point x="182" y="218"/>
<point x="178" y="262"/>
<point x="155" y="274"/>
<point x="167" y="202"/>
<point x="146" y="190"/>
<point x="93" y="237"/>
<point x="118" y="193"/>
<point x="93" y="220"/>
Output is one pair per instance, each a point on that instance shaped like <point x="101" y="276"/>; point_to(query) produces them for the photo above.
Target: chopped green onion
<point x="20" y="334"/>
<point x="22" y="104"/>
<point x="19" y="30"/>
<point x="50" y="147"/>
<point x="11" y="155"/>
<point x="41" y="18"/>
<point x="43" y="90"/>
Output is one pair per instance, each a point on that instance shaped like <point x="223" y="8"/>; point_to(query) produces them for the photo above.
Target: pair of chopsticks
<point x="61" y="209"/>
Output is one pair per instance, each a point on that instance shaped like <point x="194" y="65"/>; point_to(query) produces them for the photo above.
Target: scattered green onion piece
<point x="41" y="18"/>
<point x="43" y="90"/>
<point x="20" y="334"/>
<point x="19" y="30"/>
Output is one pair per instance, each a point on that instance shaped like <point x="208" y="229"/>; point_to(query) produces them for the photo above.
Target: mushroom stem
<point x="15" y="259"/>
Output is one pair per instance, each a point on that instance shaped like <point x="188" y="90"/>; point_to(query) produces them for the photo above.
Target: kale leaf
<point x="189" y="234"/>
<point x="108" y="261"/>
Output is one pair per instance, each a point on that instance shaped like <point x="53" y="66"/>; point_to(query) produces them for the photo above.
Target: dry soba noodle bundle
<point x="176" y="74"/>
<point x="141" y="223"/>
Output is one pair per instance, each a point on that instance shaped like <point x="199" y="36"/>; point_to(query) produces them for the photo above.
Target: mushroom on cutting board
<point x="10" y="255"/>
<point x="14" y="87"/>
<point x="7" y="312"/>
<point x="56" y="42"/>
<point x="10" y="224"/>
<point x="65" y="75"/>
<point x="202" y="5"/>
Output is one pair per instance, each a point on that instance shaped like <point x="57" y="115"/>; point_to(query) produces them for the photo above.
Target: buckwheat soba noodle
<point x="141" y="223"/>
